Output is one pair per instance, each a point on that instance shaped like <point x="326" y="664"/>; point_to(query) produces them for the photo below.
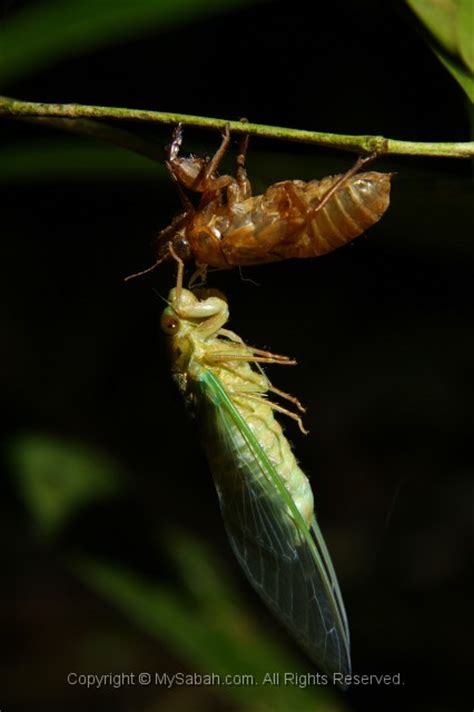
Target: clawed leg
<point x="279" y="409"/>
<point x="179" y="275"/>
<point x="198" y="278"/>
<point x="241" y="172"/>
<point x="288" y="397"/>
<point x="254" y="388"/>
<point x="276" y="358"/>
<point x="185" y="201"/>
<point x="361" y="161"/>
<point x="172" y="150"/>
<point x="213" y="164"/>
<point x="221" y="356"/>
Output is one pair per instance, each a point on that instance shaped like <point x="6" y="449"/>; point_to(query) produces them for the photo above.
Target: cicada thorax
<point x="285" y="222"/>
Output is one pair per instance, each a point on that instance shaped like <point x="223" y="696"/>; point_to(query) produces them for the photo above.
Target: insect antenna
<point x="163" y="299"/>
<point x="147" y="270"/>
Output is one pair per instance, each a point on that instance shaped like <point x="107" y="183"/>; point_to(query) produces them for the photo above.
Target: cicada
<point x="265" y="498"/>
<point x="230" y="227"/>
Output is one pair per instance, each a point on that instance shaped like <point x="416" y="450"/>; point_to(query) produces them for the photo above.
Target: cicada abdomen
<point x="353" y="208"/>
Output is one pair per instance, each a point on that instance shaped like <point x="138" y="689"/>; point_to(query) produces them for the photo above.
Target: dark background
<point x="382" y="330"/>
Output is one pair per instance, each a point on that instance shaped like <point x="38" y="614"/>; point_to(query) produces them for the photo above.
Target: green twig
<point x="13" y="108"/>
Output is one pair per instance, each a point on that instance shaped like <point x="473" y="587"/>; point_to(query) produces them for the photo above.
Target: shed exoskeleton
<point x="230" y="227"/>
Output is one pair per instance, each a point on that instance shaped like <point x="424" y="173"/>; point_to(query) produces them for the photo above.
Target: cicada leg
<point x="176" y="140"/>
<point x="276" y="358"/>
<point x="279" y="409"/>
<point x="237" y="189"/>
<point x="251" y="351"/>
<point x="221" y="356"/>
<point x="255" y="386"/>
<point x="213" y="164"/>
<point x="298" y="201"/>
<point x="245" y="188"/>
<point x="361" y="161"/>
<point x="288" y="397"/>
<point x="179" y="274"/>
<point x="213" y="186"/>
<point x="198" y="278"/>
<point x="172" y="154"/>
<point x="232" y="336"/>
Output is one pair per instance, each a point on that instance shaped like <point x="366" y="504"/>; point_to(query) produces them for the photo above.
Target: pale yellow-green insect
<point x="266" y="500"/>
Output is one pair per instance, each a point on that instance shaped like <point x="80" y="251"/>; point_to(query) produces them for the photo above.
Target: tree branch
<point x="12" y="108"/>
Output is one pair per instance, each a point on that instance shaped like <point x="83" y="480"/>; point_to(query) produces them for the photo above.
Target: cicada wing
<point x="286" y="563"/>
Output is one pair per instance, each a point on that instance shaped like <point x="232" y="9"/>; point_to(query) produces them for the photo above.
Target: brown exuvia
<point x="292" y="218"/>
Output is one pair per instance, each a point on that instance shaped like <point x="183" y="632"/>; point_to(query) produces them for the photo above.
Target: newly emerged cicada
<point x="265" y="498"/>
<point x="292" y="219"/>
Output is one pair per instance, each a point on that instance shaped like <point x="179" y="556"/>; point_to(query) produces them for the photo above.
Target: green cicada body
<point x="265" y="498"/>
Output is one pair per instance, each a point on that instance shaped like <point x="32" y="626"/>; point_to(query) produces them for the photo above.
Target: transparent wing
<point x="287" y="563"/>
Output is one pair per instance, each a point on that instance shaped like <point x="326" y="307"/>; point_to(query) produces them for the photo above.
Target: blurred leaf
<point x="204" y="623"/>
<point x="466" y="32"/>
<point x="464" y="78"/>
<point x="199" y="572"/>
<point x="45" y="32"/>
<point x="440" y="18"/>
<point x="210" y="630"/>
<point x="451" y="22"/>
<point x="74" y="159"/>
<point x="56" y="478"/>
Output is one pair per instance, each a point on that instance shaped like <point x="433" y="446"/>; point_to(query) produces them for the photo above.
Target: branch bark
<point x="16" y="109"/>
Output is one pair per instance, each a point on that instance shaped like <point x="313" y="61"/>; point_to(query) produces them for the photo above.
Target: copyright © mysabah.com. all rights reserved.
<point x="195" y="679"/>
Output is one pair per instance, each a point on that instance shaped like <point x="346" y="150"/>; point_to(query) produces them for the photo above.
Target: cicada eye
<point x="170" y="324"/>
<point x="182" y="247"/>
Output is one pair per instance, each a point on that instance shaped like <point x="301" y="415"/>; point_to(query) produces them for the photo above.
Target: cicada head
<point x="178" y="340"/>
<point x="180" y="243"/>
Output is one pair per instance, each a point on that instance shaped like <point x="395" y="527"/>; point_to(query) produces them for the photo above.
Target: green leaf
<point x="451" y="23"/>
<point x="56" y="478"/>
<point x="46" y="32"/>
<point x="465" y="31"/>
<point x="439" y="17"/>
<point x="465" y="79"/>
